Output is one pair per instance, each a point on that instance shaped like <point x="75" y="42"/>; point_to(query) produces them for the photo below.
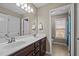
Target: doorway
<point x="61" y="30"/>
<point x="59" y="43"/>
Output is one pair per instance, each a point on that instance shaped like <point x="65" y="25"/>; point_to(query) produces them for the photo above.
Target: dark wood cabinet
<point x="25" y="51"/>
<point x="43" y="46"/>
<point x="35" y="49"/>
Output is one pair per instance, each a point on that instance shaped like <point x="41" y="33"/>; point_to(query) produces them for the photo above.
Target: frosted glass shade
<point x="33" y="27"/>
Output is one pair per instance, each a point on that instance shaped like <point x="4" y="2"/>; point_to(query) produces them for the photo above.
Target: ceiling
<point x="12" y="7"/>
<point x="39" y="4"/>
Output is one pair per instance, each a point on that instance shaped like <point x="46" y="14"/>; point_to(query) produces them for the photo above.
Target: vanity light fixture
<point x="25" y="7"/>
<point x="31" y="9"/>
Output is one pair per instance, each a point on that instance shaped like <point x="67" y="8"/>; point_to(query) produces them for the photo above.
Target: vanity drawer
<point x="25" y="51"/>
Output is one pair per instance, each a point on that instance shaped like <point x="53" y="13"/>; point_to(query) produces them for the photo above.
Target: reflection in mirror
<point x="33" y="27"/>
<point x="25" y="26"/>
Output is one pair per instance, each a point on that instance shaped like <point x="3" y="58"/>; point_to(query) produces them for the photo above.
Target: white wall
<point x="3" y="25"/>
<point x="9" y="25"/>
<point x="13" y="26"/>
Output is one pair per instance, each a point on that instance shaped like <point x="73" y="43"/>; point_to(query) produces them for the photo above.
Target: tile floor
<point x="59" y="50"/>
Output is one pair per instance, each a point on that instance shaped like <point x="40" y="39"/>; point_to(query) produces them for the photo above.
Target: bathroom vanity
<point x="37" y="48"/>
<point x="25" y="46"/>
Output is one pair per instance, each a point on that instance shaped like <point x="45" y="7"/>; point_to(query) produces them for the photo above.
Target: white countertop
<point x="21" y="42"/>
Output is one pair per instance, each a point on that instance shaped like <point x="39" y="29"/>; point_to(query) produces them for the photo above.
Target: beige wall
<point x="43" y="17"/>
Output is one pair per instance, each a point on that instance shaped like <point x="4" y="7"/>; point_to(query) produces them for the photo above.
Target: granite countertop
<point x="21" y="42"/>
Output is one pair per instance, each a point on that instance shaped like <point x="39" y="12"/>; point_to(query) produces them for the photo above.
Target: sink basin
<point x="10" y="48"/>
<point x="13" y="45"/>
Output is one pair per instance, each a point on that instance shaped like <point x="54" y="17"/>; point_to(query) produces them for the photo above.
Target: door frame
<point x="72" y="27"/>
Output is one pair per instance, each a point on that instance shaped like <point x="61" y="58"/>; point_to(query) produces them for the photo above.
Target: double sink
<point x="9" y="48"/>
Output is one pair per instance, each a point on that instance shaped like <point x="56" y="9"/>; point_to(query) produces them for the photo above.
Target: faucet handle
<point x="13" y="39"/>
<point x="9" y="41"/>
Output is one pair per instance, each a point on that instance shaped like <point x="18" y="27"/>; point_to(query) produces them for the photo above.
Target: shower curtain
<point x="68" y="40"/>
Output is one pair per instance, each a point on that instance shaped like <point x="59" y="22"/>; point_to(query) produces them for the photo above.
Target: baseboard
<point x="59" y="43"/>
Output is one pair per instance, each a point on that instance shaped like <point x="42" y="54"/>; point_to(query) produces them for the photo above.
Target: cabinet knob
<point x="38" y="49"/>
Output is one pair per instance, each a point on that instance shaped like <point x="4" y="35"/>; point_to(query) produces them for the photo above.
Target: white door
<point x="26" y="26"/>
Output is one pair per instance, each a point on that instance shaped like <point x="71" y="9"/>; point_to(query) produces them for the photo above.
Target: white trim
<point x="59" y="43"/>
<point x="72" y="29"/>
<point x="71" y="6"/>
<point x="50" y="39"/>
<point x="67" y="7"/>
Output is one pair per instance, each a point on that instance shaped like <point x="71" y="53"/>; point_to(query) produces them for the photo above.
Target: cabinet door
<point x="31" y="54"/>
<point x="37" y="54"/>
<point x="14" y="26"/>
<point x="27" y="51"/>
<point x="43" y="46"/>
<point x="37" y="48"/>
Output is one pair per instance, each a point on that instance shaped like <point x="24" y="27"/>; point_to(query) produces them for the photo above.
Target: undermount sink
<point x="13" y="45"/>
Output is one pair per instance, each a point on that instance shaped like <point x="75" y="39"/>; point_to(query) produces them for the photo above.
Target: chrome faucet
<point x="13" y="39"/>
<point x="10" y="40"/>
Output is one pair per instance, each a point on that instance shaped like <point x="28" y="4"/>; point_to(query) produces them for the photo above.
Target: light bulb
<point x="31" y="9"/>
